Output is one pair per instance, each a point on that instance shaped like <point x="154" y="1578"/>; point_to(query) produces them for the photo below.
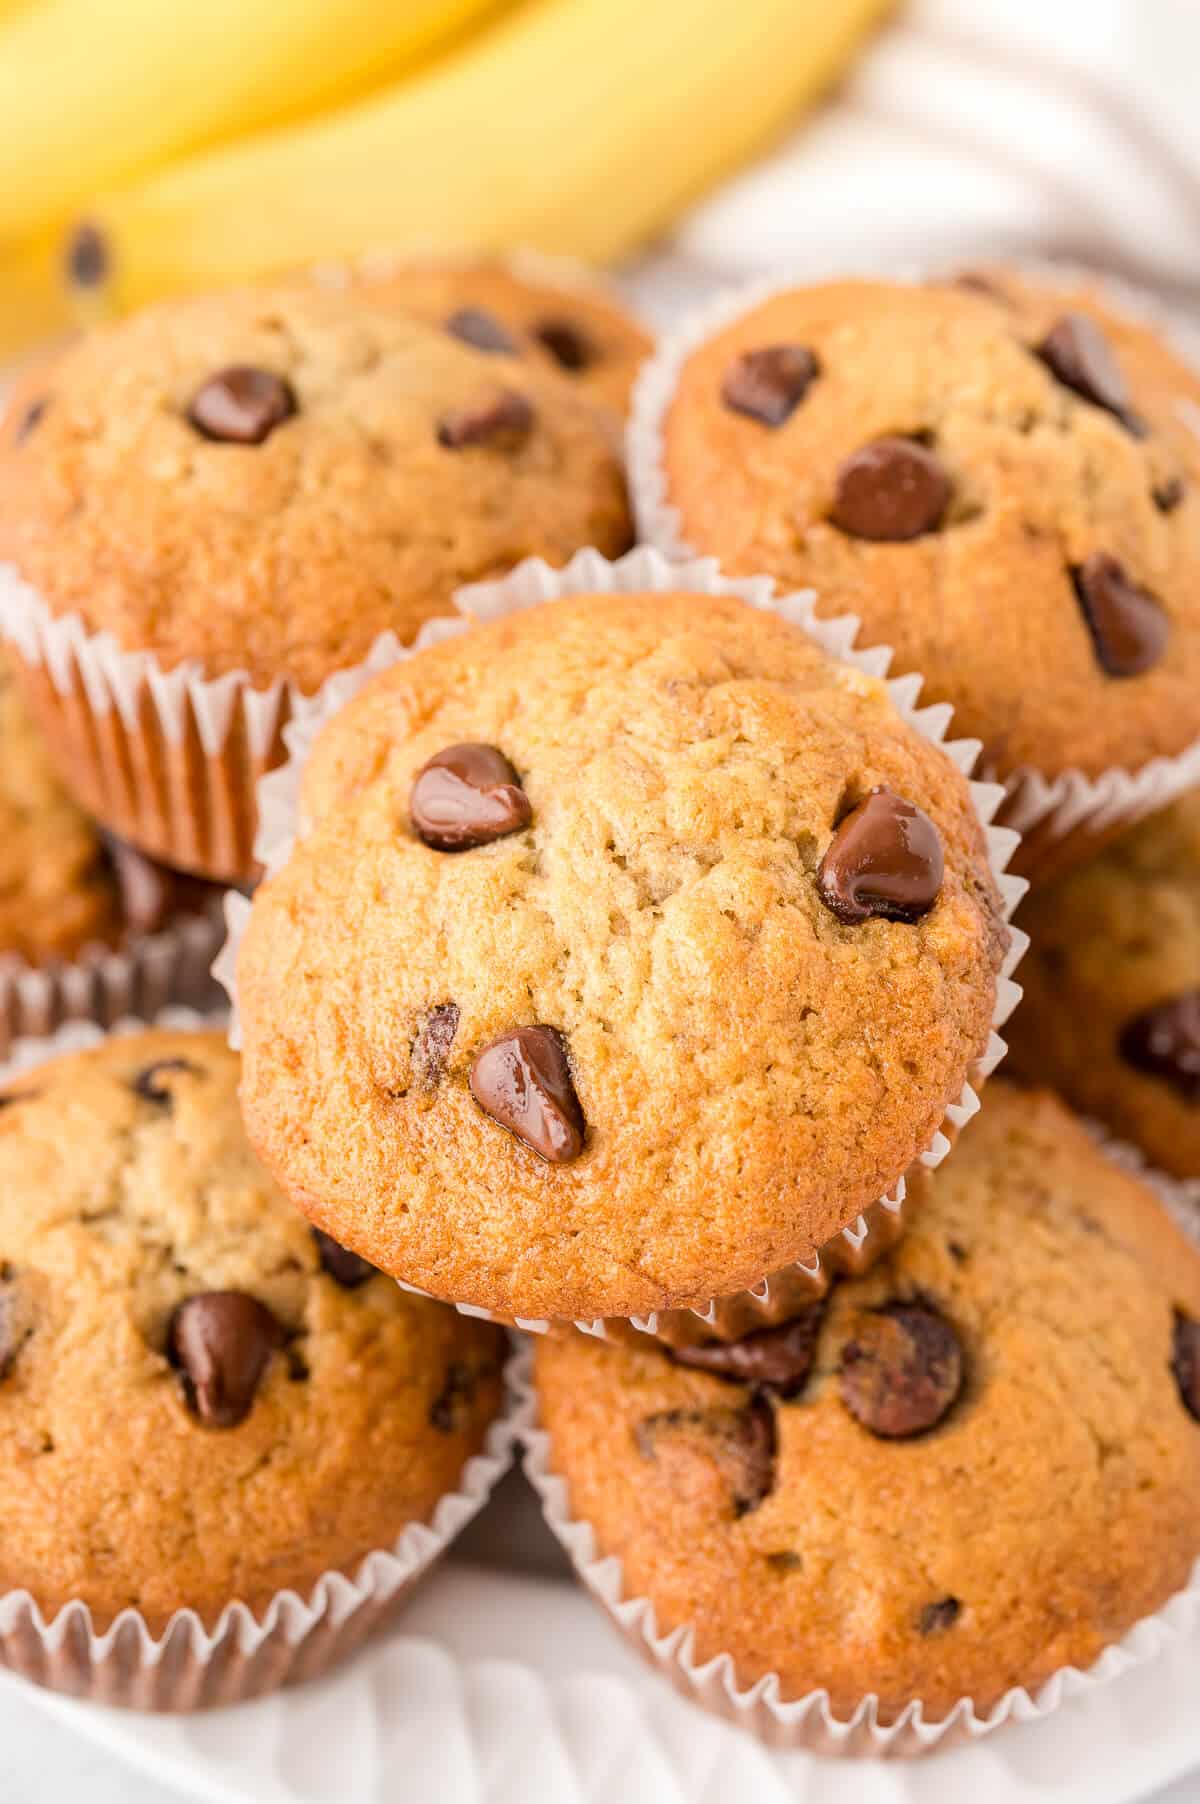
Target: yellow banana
<point x="34" y="305"/>
<point x="95" y="92"/>
<point x="578" y="126"/>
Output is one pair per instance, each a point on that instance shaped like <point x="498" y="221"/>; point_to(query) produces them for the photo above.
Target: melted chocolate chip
<point x="1128" y="626"/>
<point x="774" y="1359"/>
<point x="504" y="422"/>
<point x="1185" y="1362"/>
<point x="344" y="1267"/>
<point x="87" y="260"/>
<point x="1078" y="355"/>
<point x="222" y="1341"/>
<point x="1168" y="494"/>
<point x="477" y="327"/>
<point x="241" y="405"/>
<point x="9" y="1097"/>
<point x="431" y="1047"/>
<point x="30" y="419"/>
<point x="467" y="796"/>
<point x="450" y="1410"/>
<point x="892" y="490"/>
<point x="936" y="1618"/>
<point x="902" y="1371"/>
<point x="769" y="384"/>
<point x="14" y="1330"/>
<point x="1164" y="1041"/>
<point x="523" y="1081"/>
<point x="741" y="1441"/>
<point x="567" y="343"/>
<point x="885" y="858"/>
<point x="148" y="1083"/>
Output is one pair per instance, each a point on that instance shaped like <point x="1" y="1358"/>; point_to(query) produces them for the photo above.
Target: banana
<point x="576" y="126"/>
<point x="34" y="306"/>
<point x="96" y="92"/>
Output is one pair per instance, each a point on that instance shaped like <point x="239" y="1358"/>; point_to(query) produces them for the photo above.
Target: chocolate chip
<point x="344" y="1267"/>
<point x="507" y="420"/>
<point x="30" y="419"/>
<point x="222" y="1341"/>
<point x="1164" y="1041"/>
<point x="10" y="1097"/>
<point x="477" y="327"/>
<point x="241" y="405"/>
<point x="936" y="1618"/>
<point x="902" y="1371"/>
<point x="431" y="1047"/>
<point x="147" y="890"/>
<point x="885" y="858"/>
<point x="1168" y="494"/>
<point x="784" y="1561"/>
<point x="87" y="261"/>
<point x="14" y="1330"/>
<point x="774" y="1359"/>
<point x="892" y="490"/>
<point x="975" y="282"/>
<point x="741" y="1441"/>
<point x="449" y="1412"/>
<point x="1128" y="625"/>
<point x="1077" y="353"/>
<point x="523" y="1081"/>
<point x="465" y="797"/>
<point x="770" y="384"/>
<point x="148" y="1082"/>
<point x="567" y="343"/>
<point x="1185" y="1362"/>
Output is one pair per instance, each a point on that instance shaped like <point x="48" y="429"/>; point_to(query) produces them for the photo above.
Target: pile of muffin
<point x="624" y="984"/>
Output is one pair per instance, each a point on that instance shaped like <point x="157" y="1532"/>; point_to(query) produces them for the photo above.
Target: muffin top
<point x="200" y="1400"/>
<point x="977" y="1465"/>
<point x="575" y="326"/>
<point x="634" y="946"/>
<point x="266" y="480"/>
<point x="1111" y="1014"/>
<point x="1002" y="480"/>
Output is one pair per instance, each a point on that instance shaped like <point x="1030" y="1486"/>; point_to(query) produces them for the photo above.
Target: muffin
<point x="1111" y="1014"/>
<point x="974" y="1467"/>
<point x="631" y="947"/>
<point x="273" y="1411"/>
<point x="88" y="925"/>
<point x="225" y="501"/>
<point x="1000" y="479"/>
<point x="528" y="306"/>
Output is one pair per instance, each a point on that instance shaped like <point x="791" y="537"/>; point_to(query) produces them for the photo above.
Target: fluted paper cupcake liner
<point x="809" y="1724"/>
<point x="301" y="1633"/>
<point x="168" y="759"/>
<point x="102" y="983"/>
<point x="534" y="583"/>
<point x="1061" y="817"/>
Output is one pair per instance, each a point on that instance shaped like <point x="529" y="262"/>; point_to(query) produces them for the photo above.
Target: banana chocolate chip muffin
<point x="971" y="1468"/>
<point x="1111" y="1014"/>
<point x="525" y="307"/>
<point x="1001" y="479"/>
<point x="245" y="490"/>
<point x="631" y="948"/>
<point x="201" y="1400"/>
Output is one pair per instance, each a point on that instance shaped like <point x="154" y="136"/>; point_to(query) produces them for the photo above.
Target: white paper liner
<point x="103" y="983"/>
<point x="809" y="1724"/>
<point x="1060" y="817"/>
<point x="532" y="584"/>
<point x="169" y="759"/>
<point x="188" y="1666"/>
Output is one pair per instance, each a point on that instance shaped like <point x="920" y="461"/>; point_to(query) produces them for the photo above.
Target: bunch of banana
<point x="225" y="140"/>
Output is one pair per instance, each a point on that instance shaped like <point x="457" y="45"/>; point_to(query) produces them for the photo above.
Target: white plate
<point x="504" y="1685"/>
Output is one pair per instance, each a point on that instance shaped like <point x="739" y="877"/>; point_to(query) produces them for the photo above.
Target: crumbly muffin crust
<point x="1116" y="943"/>
<point x="578" y="329"/>
<point x="723" y="1072"/>
<point x="354" y="514"/>
<point x="128" y="1189"/>
<point x="1010" y="482"/>
<point x="1050" y="1507"/>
